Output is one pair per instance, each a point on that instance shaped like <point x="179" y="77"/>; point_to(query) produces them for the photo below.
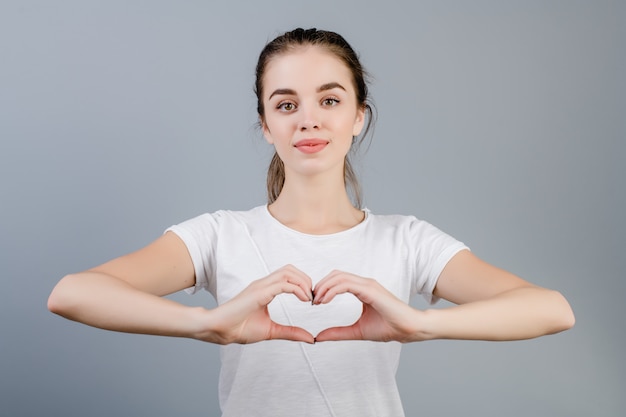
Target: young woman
<point x="311" y="266"/>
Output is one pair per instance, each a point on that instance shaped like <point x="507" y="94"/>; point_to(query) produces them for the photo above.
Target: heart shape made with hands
<point x="347" y="307"/>
<point x="343" y="310"/>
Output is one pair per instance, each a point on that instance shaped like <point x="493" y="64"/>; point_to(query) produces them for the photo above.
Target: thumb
<point x="296" y="334"/>
<point x="340" y="333"/>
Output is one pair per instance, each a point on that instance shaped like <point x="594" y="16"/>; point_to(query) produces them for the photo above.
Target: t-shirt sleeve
<point x="200" y="236"/>
<point x="431" y="249"/>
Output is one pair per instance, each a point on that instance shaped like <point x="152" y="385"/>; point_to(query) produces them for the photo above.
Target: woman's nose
<point x="309" y="118"/>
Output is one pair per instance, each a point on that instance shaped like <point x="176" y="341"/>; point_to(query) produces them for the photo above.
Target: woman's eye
<point x="330" y="102"/>
<point x="286" y="106"/>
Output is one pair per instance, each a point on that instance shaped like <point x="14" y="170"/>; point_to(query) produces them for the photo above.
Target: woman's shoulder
<point x="410" y="226"/>
<point x="224" y="217"/>
<point x="393" y="220"/>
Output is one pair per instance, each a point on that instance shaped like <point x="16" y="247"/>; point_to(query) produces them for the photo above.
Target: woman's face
<point x="311" y="111"/>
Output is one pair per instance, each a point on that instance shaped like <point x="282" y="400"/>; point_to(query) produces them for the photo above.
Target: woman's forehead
<point x="306" y="68"/>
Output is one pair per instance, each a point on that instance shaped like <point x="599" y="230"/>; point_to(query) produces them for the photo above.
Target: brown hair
<point x="337" y="45"/>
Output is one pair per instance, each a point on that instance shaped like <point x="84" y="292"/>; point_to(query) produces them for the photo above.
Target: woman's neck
<point x="315" y="207"/>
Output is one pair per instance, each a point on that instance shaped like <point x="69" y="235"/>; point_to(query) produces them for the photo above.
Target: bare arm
<point x="492" y="305"/>
<point x="125" y="295"/>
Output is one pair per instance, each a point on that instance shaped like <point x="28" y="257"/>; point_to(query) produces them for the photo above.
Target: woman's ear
<point x="266" y="131"/>
<point x="359" y="122"/>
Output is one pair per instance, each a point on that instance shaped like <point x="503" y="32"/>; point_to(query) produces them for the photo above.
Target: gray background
<point x="500" y="122"/>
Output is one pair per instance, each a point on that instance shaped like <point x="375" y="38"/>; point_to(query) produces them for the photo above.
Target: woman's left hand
<point x="385" y="317"/>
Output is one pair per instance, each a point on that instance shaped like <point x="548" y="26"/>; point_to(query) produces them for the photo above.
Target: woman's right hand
<point x="245" y="318"/>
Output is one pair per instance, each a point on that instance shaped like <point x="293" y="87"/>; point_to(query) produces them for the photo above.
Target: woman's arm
<point x="492" y="305"/>
<point x="125" y="295"/>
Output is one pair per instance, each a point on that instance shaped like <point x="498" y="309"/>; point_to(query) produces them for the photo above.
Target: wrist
<point x="202" y="326"/>
<point x="425" y="325"/>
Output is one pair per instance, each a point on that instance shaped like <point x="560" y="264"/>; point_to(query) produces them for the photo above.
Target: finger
<point x="287" y="279"/>
<point x="332" y="279"/>
<point x="290" y="288"/>
<point x="264" y="295"/>
<point x="294" y="276"/>
<point x="330" y="276"/>
<point x="292" y="333"/>
<point x="358" y="288"/>
<point x="340" y="333"/>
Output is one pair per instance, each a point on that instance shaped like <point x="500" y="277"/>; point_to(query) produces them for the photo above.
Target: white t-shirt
<point x="230" y="249"/>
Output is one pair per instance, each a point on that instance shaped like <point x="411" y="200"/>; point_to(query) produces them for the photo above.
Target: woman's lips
<point x="311" y="145"/>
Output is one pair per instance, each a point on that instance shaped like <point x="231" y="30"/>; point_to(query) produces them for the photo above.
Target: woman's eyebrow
<point x="283" y="91"/>
<point x="290" y="92"/>
<point x="330" y="86"/>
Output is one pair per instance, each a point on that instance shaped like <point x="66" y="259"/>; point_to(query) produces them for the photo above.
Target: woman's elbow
<point x="60" y="299"/>
<point x="563" y="316"/>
